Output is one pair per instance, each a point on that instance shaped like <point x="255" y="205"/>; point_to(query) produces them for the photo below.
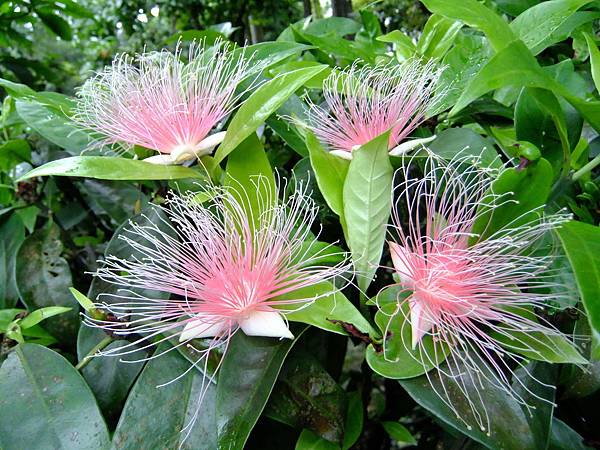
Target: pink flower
<point x="158" y="101"/>
<point x="225" y="270"/>
<point x="362" y="103"/>
<point x="478" y="299"/>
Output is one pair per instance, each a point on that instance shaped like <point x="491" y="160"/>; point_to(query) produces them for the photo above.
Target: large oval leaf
<point x="246" y="378"/>
<point x="367" y="201"/>
<point x="509" y="426"/>
<point x="582" y="246"/>
<point x="111" y="168"/>
<point x="331" y="308"/>
<point x="263" y="102"/>
<point x="44" y="278"/>
<point x="109" y="378"/>
<point x="154" y="417"/>
<point x="45" y="404"/>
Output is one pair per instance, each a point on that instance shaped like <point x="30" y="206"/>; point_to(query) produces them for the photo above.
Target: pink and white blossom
<point x="476" y="298"/>
<point x="360" y="103"/>
<point x="163" y="101"/>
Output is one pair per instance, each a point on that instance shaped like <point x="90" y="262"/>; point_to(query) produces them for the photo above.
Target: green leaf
<point x="399" y="433"/>
<point x="367" y="199"/>
<point x="304" y="385"/>
<point x="28" y="216"/>
<point x="247" y="375"/>
<point x="465" y="141"/>
<point x="271" y="53"/>
<point x="563" y="437"/>
<point x="14" y="152"/>
<point x="330" y="306"/>
<point x="535" y="107"/>
<point x="522" y="190"/>
<point x="330" y="172"/>
<point x="111" y="168"/>
<point x="53" y="125"/>
<point x="109" y="378"/>
<point x="354" y="420"/>
<point x="582" y="246"/>
<point x="404" y="46"/>
<point x="263" y="102"/>
<point x="508" y="422"/>
<point x="41" y="314"/>
<point x="540" y="346"/>
<point x="339" y="26"/>
<point x="44" y="403"/>
<point x="12" y="235"/>
<point x="156" y="416"/>
<point x="476" y="15"/>
<point x="395" y="359"/>
<point x="44" y="278"/>
<point x="16" y="90"/>
<point x="311" y="441"/>
<point x="537" y="26"/>
<point x="7" y="316"/>
<point x="57" y="24"/>
<point x="515" y="65"/>
<point x="250" y="176"/>
<point x="336" y="46"/>
<point x="594" y="59"/>
<point x="85" y="302"/>
<point x="438" y="36"/>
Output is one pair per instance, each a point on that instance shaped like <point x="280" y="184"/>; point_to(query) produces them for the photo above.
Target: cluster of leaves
<point x="516" y="72"/>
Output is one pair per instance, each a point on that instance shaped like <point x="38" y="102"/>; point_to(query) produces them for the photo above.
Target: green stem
<point x="587" y="168"/>
<point x="87" y="358"/>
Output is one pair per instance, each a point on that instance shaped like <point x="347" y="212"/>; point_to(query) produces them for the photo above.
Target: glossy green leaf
<point x="594" y="59"/>
<point x="7" y="316"/>
<point x="508" y="422"/>
<point x="57" y="24"/>
<point x="330" y="172"/>
<point x="354" y="420"/>
<point x="563" y="437"/>
<point x="45" y="404"/>
<point x="306" y="396"/>
<point x="41" y="314"/>
<point x="250" y="176"/>
<point x="109" y="378"/>
<point x="438" y="36"/>
<point x="515" y="65"/>
<point x="340" y="26"/>
<point x="537" y="26"/>
<point x="53" y="125"/>
<point x="334" y="45"/>
<point x="14" y="152"/>
<point x="271" y="53"/>
<point x="156" y="416"/>
<point x="582" y="246"/>
<point x="540" y="346"/>
<point x="247" y="375"/>
<point x="527" y="189"/>
<point x="476" y="15"/>
<point x="395" y="358"/>
<point x="404" y="46"/>
<point x="83" y="300"/>
<point x="539" y="117"/>
<point x="111" y="168"/>
<point x="399" y="433"/>
<point x="12" y="235"/>
<point x="367" y="199"/>
<point x="330" y="305"/>
<point x="263" y="102"/>
<point x="311" y="441"/>
<point x="43" y="278"/>
<point x="464" y="141"/>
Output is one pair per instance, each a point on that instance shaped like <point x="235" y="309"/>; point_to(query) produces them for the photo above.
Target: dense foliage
<point x="519" y="92"/>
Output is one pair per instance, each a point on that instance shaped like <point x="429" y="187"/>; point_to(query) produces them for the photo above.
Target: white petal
<point x="420" y="322"/>
<point x="407" y="146"/>
<point x="202" y="327"/>
<point x="164" y="160"/>
<point x="342" y="154"/>
<point x="400" y="257"/>
<point x="210" y="142"/>
<point x="265" y="323"/>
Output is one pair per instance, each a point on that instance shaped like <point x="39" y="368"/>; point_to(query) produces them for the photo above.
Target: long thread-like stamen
<point x="476" y="298"/>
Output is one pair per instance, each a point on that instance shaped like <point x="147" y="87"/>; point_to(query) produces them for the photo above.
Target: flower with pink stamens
<point x="363" y="102"/>
<point x="159" y="101"/>
<point x="224" y="268"/>
<point x="475" y="297"/>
